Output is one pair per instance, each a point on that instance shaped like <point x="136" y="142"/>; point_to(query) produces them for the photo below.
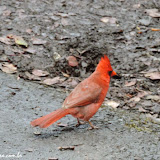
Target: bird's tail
<point x="47" y="120"/>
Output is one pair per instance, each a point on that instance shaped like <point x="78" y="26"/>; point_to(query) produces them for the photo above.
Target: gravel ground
<point x="86" y="30"/>
<point x="121" y="134"/>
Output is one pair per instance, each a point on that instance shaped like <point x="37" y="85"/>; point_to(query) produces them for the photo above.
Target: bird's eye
<point x="110" y="73"/>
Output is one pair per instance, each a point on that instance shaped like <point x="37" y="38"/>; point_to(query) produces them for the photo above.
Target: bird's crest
<point x="105" y="64"/>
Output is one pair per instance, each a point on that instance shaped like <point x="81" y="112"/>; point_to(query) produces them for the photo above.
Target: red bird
<point x="86" y="98"/>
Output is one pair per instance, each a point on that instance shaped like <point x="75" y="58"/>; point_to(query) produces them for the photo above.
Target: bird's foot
<point x="92" y="126"/>
<point x="79" y="123"/>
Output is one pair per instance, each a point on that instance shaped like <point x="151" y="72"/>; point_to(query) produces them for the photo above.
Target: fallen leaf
<point x="20" y="41"/>
<point x="7" y="13"/>
<point x="73" y="83"/>
<point x="153" y="75"/>
<point x="112" y="104"/>
<point x="153" y="97"/>
<point x="61" y="124"/>
<point x="51" y="81"/>
<point x="32" y="77"/>
<point x="8" y="68"/>
<point x="141" y="109"/>
<point x="62" y="14"/>
<point x="151" y="70"/>
<point x="5" y="40"/>
<point x="136" y="99"/>
<point x="137" y="6"/>
<point x="153" y="12"/>
<point x="37" y="41"/>
<point x="69" y="83"/>
<point x="30" y="50"/>
<point x="29" y="31"/>
<point x="65" y="74"/>
<point x="72" y="61"/>
<point x="129" y="95"/>
<point x="29" y="150"/>
<point x="128" y="84"/>
<point x="142" y="94"/>
<point x="155" y="29"/>
<point x="37" y="133"/>
<point x="56" y="56"/>
<point x="40" y="73"/>
<point x="108" y="20"/>
<point x="66" y="148"/>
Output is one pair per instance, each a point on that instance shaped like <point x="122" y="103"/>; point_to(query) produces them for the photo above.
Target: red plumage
<point x="86" y="98"/>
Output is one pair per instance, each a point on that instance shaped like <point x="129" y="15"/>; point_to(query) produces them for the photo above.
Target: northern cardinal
<point x="86" y="98"/>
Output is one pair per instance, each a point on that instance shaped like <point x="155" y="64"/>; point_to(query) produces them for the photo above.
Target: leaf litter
<point x="40" y="73"/>
<point x="8" y="67"/>
<point x="51" y="81"/>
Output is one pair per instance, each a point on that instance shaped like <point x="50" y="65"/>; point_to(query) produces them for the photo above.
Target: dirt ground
<point x="54" y="30"/>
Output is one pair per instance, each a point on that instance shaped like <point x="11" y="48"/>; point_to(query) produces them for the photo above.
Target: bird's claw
<point x="92" y="126"/>
<point x="79" y="123"/>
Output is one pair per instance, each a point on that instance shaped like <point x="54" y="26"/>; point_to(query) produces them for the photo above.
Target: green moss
<point x="139" y="125"/>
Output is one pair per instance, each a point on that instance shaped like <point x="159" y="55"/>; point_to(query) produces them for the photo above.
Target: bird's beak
<point x="113" y="74"/>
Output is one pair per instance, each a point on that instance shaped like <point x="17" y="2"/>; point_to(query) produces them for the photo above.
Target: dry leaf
<point x="61" y="124"/>
<point x="141" y="109"/>
<point x="5" y="40"/>
<point x="56" y="56"/>
<point x="30" y="50"/>
<point x="7" y="13"/>
<point x="66" y="148"/>
<point x="32" y="77"/>
<point x="137" y="6"/>
<point x="128" y="84"/>
<point x="153" y="12"/>
<point x="153" y="97"/>
<point x="29" y="31"/>
<point x="37" y="41"/>
<point x="37" y="133"/>
<point x="136" y="99"/>
<point x="73" y="83"/>
<point x="8" y="68"/>
<point x="29" y="149"/>
<point x="20" y="41"/>
<point x="153" y="75"/>
<point x="40" y="73"/>
<point x="69" y="83"/>
<point x="151" y="70"/>
<point x="155" y="29"/>
<point x="65" y="74"/>
<point x="139" y="96"/>
<point x="142" y="94"/>
<point x="112" y="104"/>
<point x="55" y="80"/>
<point x="109" y="20"/>
<point x="72" y="61"/>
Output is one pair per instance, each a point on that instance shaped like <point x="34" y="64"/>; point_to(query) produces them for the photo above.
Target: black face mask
<point x="110" y="72"/>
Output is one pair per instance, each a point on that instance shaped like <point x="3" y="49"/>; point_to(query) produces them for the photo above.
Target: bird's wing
<point x="85" y="93"/>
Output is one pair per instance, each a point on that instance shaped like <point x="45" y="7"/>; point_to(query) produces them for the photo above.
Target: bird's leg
<point x="92" y="126"/>
<point x="79" y="122"/>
